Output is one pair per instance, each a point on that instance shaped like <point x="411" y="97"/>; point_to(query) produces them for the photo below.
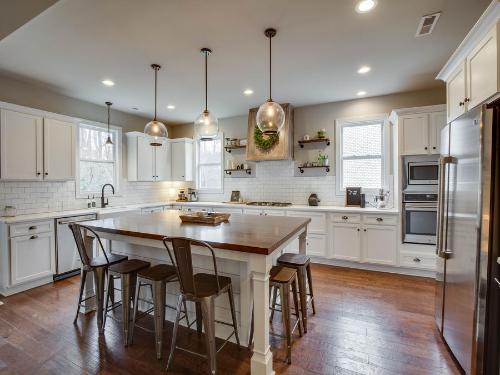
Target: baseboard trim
<point x="5" y="292"/>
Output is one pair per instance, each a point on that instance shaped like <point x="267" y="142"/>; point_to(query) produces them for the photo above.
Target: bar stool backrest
<point x="77" y="231"/>
<point x="183" y="262"/>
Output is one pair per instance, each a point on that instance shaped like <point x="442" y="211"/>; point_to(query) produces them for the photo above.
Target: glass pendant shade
<point x="270" y="117"/>
<point x="206" y="126"/>
<point x="109" y="141"/>
<point x="155" y="130"/>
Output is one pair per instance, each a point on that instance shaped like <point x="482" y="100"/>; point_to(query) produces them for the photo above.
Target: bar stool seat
<point x="127" y="272"/>
<point x="282" y="275"/>
<point x="158" y="272"/>
<point x="206" y="285"/>
<point x="102" y="261"/>
<point x="302" y="264"/>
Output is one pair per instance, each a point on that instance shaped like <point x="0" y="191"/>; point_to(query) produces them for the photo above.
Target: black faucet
<point x="104" y="203"/>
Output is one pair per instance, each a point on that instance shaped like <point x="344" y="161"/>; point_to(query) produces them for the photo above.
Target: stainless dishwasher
<point x="67" y="258"/>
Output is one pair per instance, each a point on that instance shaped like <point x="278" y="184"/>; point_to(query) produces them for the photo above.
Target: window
<point x="209" y="164"/>
<point x="98" y="162"/>
<point x="361" y="153"/>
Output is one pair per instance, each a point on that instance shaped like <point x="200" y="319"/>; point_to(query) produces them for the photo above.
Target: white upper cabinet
<point x="145" y="160"/>
<point x="59" y="150"/>
<point x="163" y="165"/>
<point x="33" y="148"/>
<point x="415" y="130"/>
<point x="456" y="92"/>
<point x="437" y="121"/>
<point x="482" y="70"/>
<point x="182" y="159"/>
<point x="21" y="146"/>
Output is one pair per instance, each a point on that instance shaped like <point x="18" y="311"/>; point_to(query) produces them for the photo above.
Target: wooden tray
<point x="212" y="218"/>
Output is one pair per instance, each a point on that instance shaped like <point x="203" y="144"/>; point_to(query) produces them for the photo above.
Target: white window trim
<point x="197" y="177"/>
<point x="118" y="154"/>
<point x="339" y="124"/>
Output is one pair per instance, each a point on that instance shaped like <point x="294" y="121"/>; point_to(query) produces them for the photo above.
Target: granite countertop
<point x="133" y="207"/>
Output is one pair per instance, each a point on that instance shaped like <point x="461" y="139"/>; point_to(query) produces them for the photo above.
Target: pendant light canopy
<point x="270" y="116"/>
<point x="206" y="125"/>
<point x="109" y="141"/>
<point x="156" y="129"/>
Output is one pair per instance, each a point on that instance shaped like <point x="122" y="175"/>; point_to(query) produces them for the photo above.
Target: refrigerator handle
<point x="444" y="161"/>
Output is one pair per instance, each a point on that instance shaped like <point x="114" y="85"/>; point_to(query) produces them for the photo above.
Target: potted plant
<point x="323" y="159"/>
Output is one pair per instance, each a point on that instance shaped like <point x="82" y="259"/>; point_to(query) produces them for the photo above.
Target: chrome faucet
<point x="104" y="203"/>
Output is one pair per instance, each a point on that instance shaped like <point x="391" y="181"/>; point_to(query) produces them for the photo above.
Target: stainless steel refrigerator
<point x="467" y="242"/>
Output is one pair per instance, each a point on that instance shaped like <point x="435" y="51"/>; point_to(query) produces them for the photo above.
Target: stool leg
<point x="310" y="282"/>
<point x="273" y="303"/>
<point x="83" y="277"/>
<point x="174" y="332"/>
<point x="126" y="280"/>
<point x="250" y="336"/>
<point x="285" y="307"/>
<point x="99" y="294"/>
<point x="208" y="312"/>
<point x="159" y="290"/>
<point x="111" y="291"/>
<point x="301" y="273"/>
<point x="186" y="314"/>
<point x="296" y="305"/>
<point x="136" y="306"/>
<point x="233" y="314"/>
<point x="109" y="287"/>
<point x="199" y="321"/>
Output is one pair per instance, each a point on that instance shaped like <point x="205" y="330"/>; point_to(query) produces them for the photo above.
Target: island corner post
<point x="247" y="264"/>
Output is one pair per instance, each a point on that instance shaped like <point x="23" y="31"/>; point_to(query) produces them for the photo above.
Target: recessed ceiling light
<point x="361" y="93"/>
<point x="108" y="82"/>
<point x="364" y="6"/>
<point x="248" y="92"/>
<point x="364" y="69"/>
<point x="171" y="106"/>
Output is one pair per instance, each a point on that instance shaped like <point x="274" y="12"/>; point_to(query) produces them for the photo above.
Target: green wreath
<point x="265" y="142"/>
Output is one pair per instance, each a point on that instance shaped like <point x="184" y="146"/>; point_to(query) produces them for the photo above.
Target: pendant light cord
<point x="156" y="85"/>
<point x="270" y="70"/>
<point x="206" y="81"/>
<point x="108" y="119"/>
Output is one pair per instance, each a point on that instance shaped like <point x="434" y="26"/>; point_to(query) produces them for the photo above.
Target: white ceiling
<point x="75" y="44"/>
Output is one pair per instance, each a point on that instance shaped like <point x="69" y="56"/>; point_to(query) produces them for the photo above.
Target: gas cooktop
<point x="269" y="204"/>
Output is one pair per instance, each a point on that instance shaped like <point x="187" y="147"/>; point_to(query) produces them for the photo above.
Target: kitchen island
<point x="246" y="248"/>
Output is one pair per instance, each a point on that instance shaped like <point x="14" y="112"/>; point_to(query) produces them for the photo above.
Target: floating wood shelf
<point x="327" y="168"/>
<point x="315" y="140"/>
<point x="230" y="171"/>
<point x="229" y="148"/>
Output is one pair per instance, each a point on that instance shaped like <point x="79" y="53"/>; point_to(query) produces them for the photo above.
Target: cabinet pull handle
<point x="417" y="260"/>
<point x="379" y="219"/>
<point x="33" y="227"/>
<point x="345" y="217"/>
<point x="33" y="237"/>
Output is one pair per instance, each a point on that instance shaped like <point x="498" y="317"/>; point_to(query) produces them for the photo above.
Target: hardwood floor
<point x="366" y="323"/>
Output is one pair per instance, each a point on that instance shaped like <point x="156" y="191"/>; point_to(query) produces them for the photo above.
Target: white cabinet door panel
<point x="58" y="150"/>
<point x="379" y="244"/>
<point x="21" y="146"/>
<point x="163" y="170"/>
<point x="32" y="257"/>
<point x="316" y="245"/>
<point x="456" y="93"/>
<point x="415" y="139"/>
<point x="346" y="242"/>
<point x="437" y="122"/>
<point x="145" y="167"/>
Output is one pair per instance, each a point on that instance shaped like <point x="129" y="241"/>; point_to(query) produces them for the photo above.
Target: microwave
<point x="422" y="172"/>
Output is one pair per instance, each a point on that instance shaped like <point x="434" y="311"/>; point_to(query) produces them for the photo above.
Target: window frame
<point x="118" y="153"/>
<point x="220" y="136"/>
<point x="383" y="119"/>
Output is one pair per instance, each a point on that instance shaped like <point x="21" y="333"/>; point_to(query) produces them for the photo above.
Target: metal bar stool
<point x="284" y="280"/>
<point x="97" y="265"/>
<point x="126" y="271"/>
<point x="201" y="288"/>
<point x="302" y="263"/>
<point x="156" y="278"/>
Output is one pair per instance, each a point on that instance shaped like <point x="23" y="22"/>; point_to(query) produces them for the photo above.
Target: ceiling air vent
<point x="427" y="24"/>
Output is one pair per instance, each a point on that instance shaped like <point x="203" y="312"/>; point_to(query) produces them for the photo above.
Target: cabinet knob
<point x="364" y="230"/>
<point x="379" y="219"/>
<point x="426" y="147"/>
<point x="38" y="173"/>
<point x="359" y="229"/>
<point x="434" y="147"/>
<point x="417" y="260"/>
<point x="345" y="217"/>
<point x="467" y="100"/>
<point x="461" y="104"/>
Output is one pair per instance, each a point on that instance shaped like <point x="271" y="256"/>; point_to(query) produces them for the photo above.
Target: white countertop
<point x="132" y="207"/>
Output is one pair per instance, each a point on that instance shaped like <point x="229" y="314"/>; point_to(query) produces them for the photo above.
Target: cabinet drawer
<point x="318" y="220"/>
<point x="380" y="219"/>
<point x="422" y="261"/>
<point x="24" y="229"/>
<point x="346" y="218"/>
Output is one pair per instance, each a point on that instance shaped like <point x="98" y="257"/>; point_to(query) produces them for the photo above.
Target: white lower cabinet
<point x="32" y="257"/>
<point x="346" y="242"/>
<point x="379" y="244"/>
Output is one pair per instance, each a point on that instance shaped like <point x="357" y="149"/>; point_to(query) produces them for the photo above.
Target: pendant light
<point x="109" y="141"/>
<point x="270" y="116"/>
<point x="206" y="125"/>
<point x="156" y="129"/>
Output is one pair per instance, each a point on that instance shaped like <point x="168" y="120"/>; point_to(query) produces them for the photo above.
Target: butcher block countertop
<point x="244" y="233"/>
